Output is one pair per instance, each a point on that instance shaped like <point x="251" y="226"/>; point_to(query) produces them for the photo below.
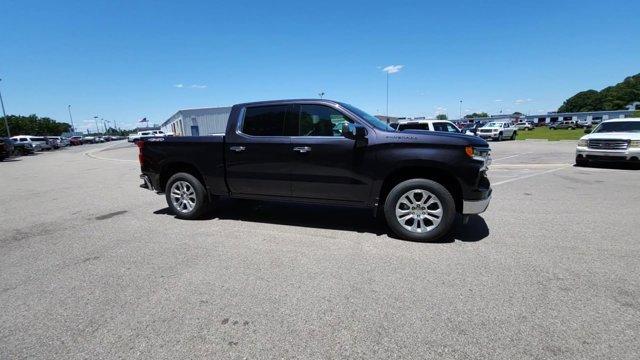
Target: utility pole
<point x="73" y="128"/>
<point x="4" y="114"/>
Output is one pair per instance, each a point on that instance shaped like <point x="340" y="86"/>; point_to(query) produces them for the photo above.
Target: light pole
<point x="4" y="114"/>
<point x="387" y="97"/>
<point x="73" y="128"/>
<point x="460" y="116"/>
<point x="321" y="94"/>
<point x="95" y="118"/>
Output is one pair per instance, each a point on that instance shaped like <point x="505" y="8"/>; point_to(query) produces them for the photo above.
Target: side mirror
<point x="353" y="131"/>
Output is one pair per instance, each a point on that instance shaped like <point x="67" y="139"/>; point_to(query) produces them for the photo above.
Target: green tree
<point x="610" y="98"/>
<point x="33" y="125"/>
<point x="476" y="115"/>
<point x="441" y="117"/>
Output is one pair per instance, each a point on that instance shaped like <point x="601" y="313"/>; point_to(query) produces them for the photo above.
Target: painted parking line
<point x="92" y="154"/>
<point x="512" y="156"/>
<point x="523" y="177"/>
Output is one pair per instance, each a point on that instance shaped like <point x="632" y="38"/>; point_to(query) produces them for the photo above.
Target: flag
<point x="143" y="120"/>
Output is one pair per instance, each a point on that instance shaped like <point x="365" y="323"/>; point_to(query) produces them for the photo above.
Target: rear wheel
<point x="419" y="210"/>
<point x="500" y="137"/>
<point x="513" y="135"/>
<point x="186" y="196"/>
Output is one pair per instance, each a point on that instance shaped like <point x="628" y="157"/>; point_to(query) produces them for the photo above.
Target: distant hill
<point x="610" y="98"/>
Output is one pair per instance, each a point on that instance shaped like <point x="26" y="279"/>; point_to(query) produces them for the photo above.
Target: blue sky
<point x="124" y="60"/>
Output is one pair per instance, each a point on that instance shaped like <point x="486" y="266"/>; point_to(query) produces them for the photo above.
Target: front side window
<point x="319" y="120"/>
<point x="264" y="120"/>
<point x="445" y="127"/>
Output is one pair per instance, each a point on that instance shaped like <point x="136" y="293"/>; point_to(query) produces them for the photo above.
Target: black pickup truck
<point x="324" y="152"/>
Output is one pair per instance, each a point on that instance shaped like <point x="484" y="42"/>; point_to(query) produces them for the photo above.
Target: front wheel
<point x="500" y="137"/>
<point x="419" y="210"/>
<point x="186" y="196"/>
<point x="513" y="135"/>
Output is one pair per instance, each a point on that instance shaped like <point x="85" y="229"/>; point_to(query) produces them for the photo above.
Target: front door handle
<point x="237" y="148"/>
<point x="302" y="149"/>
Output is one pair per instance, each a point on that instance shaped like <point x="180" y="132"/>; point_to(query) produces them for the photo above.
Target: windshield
<point x="372" y="120"/>
<point x="618" y="126"/>
<point x="493" y="124"/>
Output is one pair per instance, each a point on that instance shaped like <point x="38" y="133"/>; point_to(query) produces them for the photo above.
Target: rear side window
<point x="37" y="139"/>
<point x="264" y="120"/>
<point x="414" y="126"/>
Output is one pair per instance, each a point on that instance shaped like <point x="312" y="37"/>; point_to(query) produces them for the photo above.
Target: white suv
<point x="498" y="130"/>
<point x="145" y="134"/>
<point x="611" y="140"/>
<point x="427" y="125"/>
<point x="37" y="142"/>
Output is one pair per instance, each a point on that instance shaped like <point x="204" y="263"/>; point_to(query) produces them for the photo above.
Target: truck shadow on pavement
<point x="326" y="217"/>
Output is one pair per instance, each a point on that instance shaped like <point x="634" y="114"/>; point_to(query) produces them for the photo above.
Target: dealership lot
<point x="93" y="266"/>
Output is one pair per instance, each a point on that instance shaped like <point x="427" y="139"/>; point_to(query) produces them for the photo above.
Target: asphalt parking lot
<point x="92" y="266"/>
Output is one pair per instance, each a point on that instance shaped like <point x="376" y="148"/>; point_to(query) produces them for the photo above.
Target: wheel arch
<point x="174" y="167"/>
<point x="435" y="173"/>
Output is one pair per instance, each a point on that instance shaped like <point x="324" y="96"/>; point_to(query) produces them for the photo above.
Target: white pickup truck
<point x="145" y="134"/>
<point x="611" y="141"/>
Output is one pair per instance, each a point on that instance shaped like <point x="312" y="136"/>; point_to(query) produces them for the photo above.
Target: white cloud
<point x="392" y="69"/>
<point x="498" y="100"/>
<point x="522" y="101"/>
<point x="198" y="86"/>
<point x="178" y="86"/>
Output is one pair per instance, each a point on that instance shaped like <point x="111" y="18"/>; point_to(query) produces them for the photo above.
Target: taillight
<point x="140" y="156"/>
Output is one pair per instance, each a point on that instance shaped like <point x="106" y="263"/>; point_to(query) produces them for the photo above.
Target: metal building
<point x="197" y="122"/>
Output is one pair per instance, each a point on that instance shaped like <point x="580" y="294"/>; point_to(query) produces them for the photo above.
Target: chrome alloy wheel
<point x="419" y="211"/>
<point x="183" y="196"/>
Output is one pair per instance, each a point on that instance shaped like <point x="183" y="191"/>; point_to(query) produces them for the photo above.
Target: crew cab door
<point x="258" y="154"/>
<point x="326" y="166"/>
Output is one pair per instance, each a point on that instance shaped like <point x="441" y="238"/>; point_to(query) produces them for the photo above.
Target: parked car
<point x="62" y="141"/>
<point x="472" y="128"/>
<point x="428" y="125"/>
<point x="22" y="148"/>
<point x="418" y="180"/>
<point x="145" y="134"/>
<point x="52" y="142"/>
<point x="6" y="148"/>
<point x="75" y="140"/>
<point x="525" y="125"/>
<point x="89" y="140"/>
<point x="37" y="143"/>
<point x="566" y="124"/>
<point x="583" y="123"/>
<point x="498" y="130"/>
<point x="611" y="141"/>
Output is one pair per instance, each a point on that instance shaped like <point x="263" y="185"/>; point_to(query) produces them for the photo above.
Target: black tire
<point x="499" y="137"/>
<point x="513" y="135"/>
<point x="443" y="196"/>
<point x="201" y="198"/>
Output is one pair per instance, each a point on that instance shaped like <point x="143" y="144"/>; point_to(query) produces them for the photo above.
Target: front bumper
<point x="470" y="207"/>
<point x="488" y="135"/>
<point x="631" y="154"/>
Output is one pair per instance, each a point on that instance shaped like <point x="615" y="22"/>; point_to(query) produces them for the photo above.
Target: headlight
<point x="583" y="142"/>
<point x="634" y="143"/>
<point x="477" y="154"/>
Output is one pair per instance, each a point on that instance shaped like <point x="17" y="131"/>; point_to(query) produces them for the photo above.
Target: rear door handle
<point x="237" y="148"/>
<point x="302" y="149"/>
